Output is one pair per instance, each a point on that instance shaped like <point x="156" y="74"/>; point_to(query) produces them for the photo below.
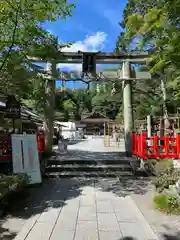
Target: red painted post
<point x="155" y="146"/>
<point x="140" y="145"/>
<point x="41" y="143"/>
<point x="143" y="145"/>
<point x="137" y="145"/>
<point x="166" y="146"/>
<point x="178" y="145"/>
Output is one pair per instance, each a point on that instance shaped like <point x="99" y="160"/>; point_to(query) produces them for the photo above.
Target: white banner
<point x="25" y="156"/>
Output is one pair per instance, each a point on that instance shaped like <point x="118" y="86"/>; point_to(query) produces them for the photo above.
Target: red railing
<point x="5" y="147"/>
<point x="155" y="147"/>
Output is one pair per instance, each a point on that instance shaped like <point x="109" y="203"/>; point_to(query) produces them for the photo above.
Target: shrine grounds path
<point x="84" y="208"/>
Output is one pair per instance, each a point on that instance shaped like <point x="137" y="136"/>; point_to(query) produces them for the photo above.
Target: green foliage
<point x="154" y="25"/>
<point x="158" y="165"/>
<point x="165" y="178"/>
<point x="162" y="164"/>
<point x="80" y="101"/>
<point x="22" y="35"/>
<point x="167" y="202"/>
<point x="10" y="184"/>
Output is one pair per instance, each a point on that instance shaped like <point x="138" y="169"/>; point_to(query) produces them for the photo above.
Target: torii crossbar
<point x="125" y="74"/>
<point x="101" y="57"/>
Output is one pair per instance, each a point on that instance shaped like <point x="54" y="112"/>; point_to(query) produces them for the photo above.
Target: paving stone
<point x="78" y="219"/>
<point x="59" y="234"/>
<point x="87" y="213"/>
<point x="87" y="225"/>
<point x="67" y="218"/>
<point x="110" y="235"/>
<point x="119" y="203"/>
<point x="137" y="231"/>
<point x="27" y="227"/>
<point x="74" y="202"/>
<point x="88" y="191"/>
<point x="104" y="207"/>
<point x="86" y="235"/>
<point x="124" y="211"/>
<point x="88" y="201"/>
<point x="70" y="208"/>
<point x="107" y="222"/>
<point x="66" y="222"/>
<point x="102" y="196"/>
<point x="69" y="211"/>
<point x="41" y="230"/>
<point x="50" y="215"/>
<point x="86" y="230"/>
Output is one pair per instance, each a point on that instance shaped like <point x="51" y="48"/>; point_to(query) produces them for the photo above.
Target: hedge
<point x="11" y="185"/>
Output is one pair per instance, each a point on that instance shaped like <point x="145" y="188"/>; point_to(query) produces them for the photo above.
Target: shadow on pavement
<point x="54" y="193"/>
<point x="128" y="238"/>
<point x="173" y="233"/>
<point x="172" y="237"/>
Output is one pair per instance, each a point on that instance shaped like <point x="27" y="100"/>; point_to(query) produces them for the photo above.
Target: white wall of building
<point x="69" y="131"/>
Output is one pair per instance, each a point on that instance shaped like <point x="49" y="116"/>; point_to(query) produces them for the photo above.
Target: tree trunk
<point x="49" y="109"/>
<point x="165" y="111"/>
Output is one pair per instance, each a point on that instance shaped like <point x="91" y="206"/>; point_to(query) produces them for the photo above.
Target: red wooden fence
<point x="145" y="147"/>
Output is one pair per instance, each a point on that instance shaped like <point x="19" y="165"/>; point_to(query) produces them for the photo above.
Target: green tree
<point x="22" y="35"/>
<point x="153" y="26"/>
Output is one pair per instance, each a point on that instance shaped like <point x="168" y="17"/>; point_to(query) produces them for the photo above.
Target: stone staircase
<point x="90" y="158"/>
<point x="88" y="168"/>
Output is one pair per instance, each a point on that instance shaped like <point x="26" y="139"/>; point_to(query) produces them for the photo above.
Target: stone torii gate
<point x="89" y="60"/>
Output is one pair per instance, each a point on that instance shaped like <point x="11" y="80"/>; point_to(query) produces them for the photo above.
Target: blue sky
<point x="93" y="26"/>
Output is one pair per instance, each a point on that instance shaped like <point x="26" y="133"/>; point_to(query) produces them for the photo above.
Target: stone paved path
<point x="90" y="210"/>
<point x="87" y="209"/>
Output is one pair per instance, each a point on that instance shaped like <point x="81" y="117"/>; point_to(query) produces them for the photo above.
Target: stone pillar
<point x="149" y="129"/>
<point x="128" y="110"/>
<point x="50" y="106"/>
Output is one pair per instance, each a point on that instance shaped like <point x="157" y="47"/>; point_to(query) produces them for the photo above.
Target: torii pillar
<point x="128" y="109"/>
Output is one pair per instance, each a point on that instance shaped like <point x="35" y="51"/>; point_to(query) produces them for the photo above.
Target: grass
<point x="167" y="202"/>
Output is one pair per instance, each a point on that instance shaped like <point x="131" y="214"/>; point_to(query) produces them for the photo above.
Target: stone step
<point x="89" y="168"/>
<point x="70" y="174"/>
<point x="88" y="162"/>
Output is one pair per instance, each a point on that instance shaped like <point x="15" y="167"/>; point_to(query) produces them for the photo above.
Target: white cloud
<point x="92" y="43"/>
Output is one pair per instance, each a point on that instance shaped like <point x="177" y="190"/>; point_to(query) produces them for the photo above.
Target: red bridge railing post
<point x="143" y="145"/>
<point x="156" y="146"/>
<point x="166" y="146"/>
<point x="178" y="145"/>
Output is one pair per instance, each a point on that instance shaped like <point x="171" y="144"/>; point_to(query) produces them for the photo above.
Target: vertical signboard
<point x="25" y="156"/>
